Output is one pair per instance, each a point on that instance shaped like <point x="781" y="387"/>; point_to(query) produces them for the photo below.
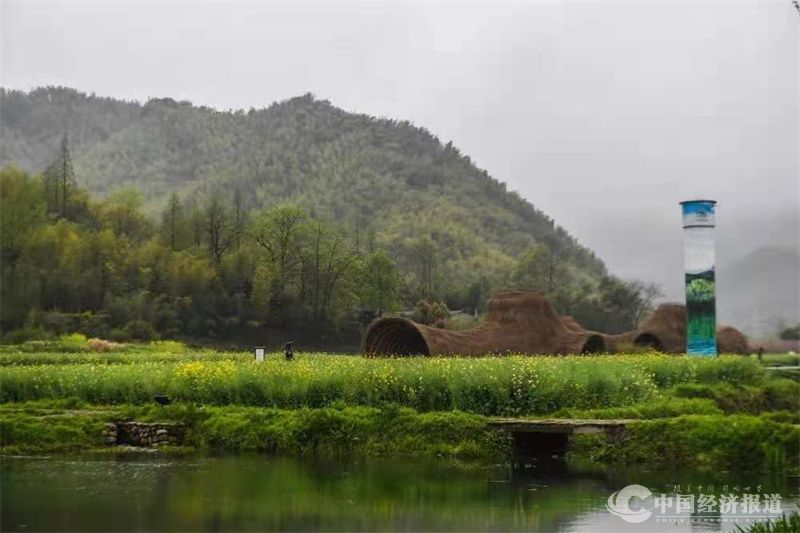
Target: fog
<point x="603" y="115"/>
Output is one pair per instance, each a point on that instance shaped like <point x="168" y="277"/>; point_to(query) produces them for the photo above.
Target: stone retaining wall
<point x="143" y="434"/>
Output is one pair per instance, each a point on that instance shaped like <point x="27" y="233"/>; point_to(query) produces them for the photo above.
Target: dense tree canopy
<point x="169" y="219"/>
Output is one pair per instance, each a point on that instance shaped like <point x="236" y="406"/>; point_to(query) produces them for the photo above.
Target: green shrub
<point x="728" y="397"/>
<point x="431" y="313"/>
<point x="74" y="340"/>
<point x="782" y="394"/>
<point x="18" y="336"/>
<point x="703" y="441"/>
<point x="773" y="395"/>
<point x="730" y="368"/>
<point x="139" y="330"/>
<point x="784" y="417"/>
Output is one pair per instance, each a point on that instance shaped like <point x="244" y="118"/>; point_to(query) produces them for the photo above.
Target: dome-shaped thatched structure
<point x="665" y="331"/>
<point x="516" y="322"/>
<point x="571" y="324"/>
<point x="731" y="340"/>
<point x="525" y="322"/>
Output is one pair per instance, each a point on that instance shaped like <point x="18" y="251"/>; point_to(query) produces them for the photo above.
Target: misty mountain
<point x="761" y="291"/>
<point x="381" y="179"/>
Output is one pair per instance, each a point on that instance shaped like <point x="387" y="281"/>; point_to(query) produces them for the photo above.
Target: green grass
<point x="49" y="427"/>
<point x="699" y="441"/>
<point x="780" y="359"/>
<point x="508" y="386"/>
<point x="773" y="395"/>
<point x="776" y="398"/>
<point x="15" y="358"/>
<point x="707" y="441"/>
<point x="665" y="407"/>
<point x="698" y="412"/>
<point x="52" y="432"/>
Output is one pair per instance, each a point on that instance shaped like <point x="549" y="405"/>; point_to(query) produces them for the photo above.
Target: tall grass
<point x="513" y="385"/>
<point x="77" y="343"/>
<point x="9" y="358"/>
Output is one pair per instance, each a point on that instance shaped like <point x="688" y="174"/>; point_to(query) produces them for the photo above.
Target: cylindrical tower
<point x="698" y="266"/>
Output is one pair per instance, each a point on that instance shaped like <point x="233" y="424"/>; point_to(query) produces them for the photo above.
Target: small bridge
<point x="550" y="436"/>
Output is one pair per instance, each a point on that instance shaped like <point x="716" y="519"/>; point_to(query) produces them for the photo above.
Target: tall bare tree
<point x="218" y="229"/>
<point x="279" y="232"/>
<point x="648" y="293"/>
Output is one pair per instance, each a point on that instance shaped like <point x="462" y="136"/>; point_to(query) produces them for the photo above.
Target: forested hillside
<point x="217" y="187"/>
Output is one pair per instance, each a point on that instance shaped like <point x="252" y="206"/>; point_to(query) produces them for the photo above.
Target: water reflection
<point x="258" y="493"/>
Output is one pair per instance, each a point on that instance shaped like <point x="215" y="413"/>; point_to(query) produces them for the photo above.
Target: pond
<point x="263" y="493"/>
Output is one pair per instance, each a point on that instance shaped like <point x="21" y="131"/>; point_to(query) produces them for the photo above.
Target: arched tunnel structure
<point x="524" y="322"/>
<point x="516" y="322"/>
<point x="395" y="336"/>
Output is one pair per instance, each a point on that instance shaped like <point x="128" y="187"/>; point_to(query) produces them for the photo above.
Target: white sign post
<point x="259" y="352"/>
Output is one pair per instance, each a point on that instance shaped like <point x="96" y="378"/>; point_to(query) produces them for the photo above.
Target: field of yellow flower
<point x="513" y="385"/>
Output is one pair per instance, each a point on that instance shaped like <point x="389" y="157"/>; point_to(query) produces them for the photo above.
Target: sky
<point x="603" y="114"/>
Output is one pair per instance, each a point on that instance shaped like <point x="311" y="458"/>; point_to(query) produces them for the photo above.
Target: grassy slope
<point x="346" y="431"/>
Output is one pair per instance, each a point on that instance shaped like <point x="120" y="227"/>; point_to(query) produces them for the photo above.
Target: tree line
<point x="389" y="182"/>
<point x="214" y="269"/>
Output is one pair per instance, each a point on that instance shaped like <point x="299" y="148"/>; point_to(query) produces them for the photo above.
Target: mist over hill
<point x="341" y="165"/>
<point x="455" y="233"/>
<point x="388" y="183"/>
<point x="760" y="292"/>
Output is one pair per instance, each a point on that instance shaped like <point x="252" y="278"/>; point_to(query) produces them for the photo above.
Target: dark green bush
<point x="18" y="336"/>
<point x="140" y="330"/>
<point x="431" y="313"/>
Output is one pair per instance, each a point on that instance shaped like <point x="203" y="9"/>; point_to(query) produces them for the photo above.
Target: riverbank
<point x="684" y="433"/>
<point x="691" y="412"/>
